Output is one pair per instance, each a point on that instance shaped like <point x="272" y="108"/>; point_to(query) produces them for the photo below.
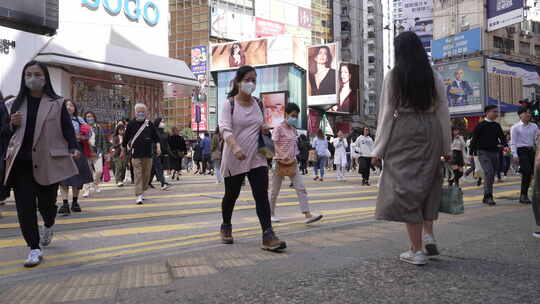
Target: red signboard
<point x="265" y="28"/>
<point x="304" y="17"/>
<point x="203" y="124"/>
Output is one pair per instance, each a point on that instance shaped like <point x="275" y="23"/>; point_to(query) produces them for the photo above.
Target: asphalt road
<point x="168" y="250"/>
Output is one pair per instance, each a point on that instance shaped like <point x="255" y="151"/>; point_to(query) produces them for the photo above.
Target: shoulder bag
<point x="141" y="129"/>
<point x="286" y="168"/>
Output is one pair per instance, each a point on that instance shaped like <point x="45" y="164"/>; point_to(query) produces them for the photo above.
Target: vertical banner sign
<point x="501" y="13"/>
<point x="199" y="104"/>
<point x="322" y="76"/>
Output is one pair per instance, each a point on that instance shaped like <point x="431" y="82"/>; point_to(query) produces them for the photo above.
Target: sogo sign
<point x="132" y="9"/>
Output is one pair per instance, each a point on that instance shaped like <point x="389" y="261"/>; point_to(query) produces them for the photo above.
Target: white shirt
<point x="364" y="146"/>
<point x="458" y="144"/>
<point x="523" y="135"/>
<point x="340" y="155"/>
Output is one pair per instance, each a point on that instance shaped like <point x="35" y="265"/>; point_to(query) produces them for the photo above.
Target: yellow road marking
<point x="192" y="239"/>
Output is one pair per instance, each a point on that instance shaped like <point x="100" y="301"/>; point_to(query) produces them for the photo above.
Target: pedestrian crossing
<point x="112" y="226"/>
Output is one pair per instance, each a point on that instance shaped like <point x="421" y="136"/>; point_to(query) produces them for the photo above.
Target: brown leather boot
<point x="226" y="234"/>
<point x="271" y="242"/>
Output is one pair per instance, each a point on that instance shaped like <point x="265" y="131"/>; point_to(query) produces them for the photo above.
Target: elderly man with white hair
<point x="139" y="139"/>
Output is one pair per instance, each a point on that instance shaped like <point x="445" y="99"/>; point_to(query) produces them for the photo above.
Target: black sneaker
<point x="479" y="182"/>
<point x="64" y="210"/>
<point x="523" y="199"/>
<point x="75" y="207"/>
<point x="489" y="200"/>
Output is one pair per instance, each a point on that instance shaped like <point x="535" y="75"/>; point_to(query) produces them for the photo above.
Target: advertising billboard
<point x="464" y="82"/>
<point x="322" y="80"/>
<point x="231" y="25"/>
<point x="510" y="82"/>
<point x="265" y="28"/>
<point x="274" y="107"/>
<point x="417" y="16"/>
<point x="235" y="54"/>
<point x="461" y="44"/>
<point x="348" y="88"/>
<point x="501" y="13"/>
<point x="199" y="104"/>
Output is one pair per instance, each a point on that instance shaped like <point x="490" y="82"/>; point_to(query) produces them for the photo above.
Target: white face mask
<point x="35" y="83"/>
<point x="247" y="87"/>
<point x="162" y="125"/>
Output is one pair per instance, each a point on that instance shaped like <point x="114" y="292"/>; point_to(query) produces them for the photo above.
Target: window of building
<point x="524" y="48"/>
<point x="503" y="43"/>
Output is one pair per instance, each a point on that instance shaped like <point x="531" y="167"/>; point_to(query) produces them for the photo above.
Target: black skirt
<point x="457" y="158"/>
<point x="84" y="176"/>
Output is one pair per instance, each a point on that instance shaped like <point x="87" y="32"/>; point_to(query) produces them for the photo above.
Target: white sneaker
<point x="120" y="184"/>
<point x="86" y="193"/>
<point x="165" y="187"/>
<point x="418" y="258"/>
<point x="314" y="218"/>
<point x="140" y="199"/>
<point x="46" y="236"/>
<point x="275" y="219"/>
<point x="430" y="245"/>
<point x="536" y="234"/>
<point x="97" y="189"/>
<point x="34" y="258"/>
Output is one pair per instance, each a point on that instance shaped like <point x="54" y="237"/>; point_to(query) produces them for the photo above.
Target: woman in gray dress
<point x="413" y="133"/>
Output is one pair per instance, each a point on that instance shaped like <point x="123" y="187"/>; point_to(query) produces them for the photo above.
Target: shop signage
<point x="132" y="9"/>
<point x="460" y="44"/>
<point x="6" y="45"/>
<point x="501" y="13"/>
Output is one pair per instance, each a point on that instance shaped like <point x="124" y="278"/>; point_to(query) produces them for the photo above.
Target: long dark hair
<point x="240" y="73"/>
<point x="329" y="58"/>
<point x="413" y="81"/>
<point x="24" y="92"/>
<point x="241" y="52"/>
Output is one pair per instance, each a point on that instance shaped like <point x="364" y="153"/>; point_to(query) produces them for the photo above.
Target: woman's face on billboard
<point x="345" y="74"/>
<point x="322" y="56"/>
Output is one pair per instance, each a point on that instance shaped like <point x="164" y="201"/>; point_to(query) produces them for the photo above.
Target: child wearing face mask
<point x="284" y="137"/>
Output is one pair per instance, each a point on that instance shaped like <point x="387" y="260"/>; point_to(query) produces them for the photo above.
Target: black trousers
<point x="364" y="166"/>
<point x="526" y="167"/>
<point x="30" y="197"/>
<point x="536" y="198"/>
<point x="258" y="179"/>
<point x="157" y="171"/>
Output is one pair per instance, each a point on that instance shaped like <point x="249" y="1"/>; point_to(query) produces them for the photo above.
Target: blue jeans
<point x="320" y="165"/>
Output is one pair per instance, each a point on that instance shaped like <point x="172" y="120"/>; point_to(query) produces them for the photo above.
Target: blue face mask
<point x="140" y="116"/>
<point x="292" y="121"/>
<point x="90" y="120"/>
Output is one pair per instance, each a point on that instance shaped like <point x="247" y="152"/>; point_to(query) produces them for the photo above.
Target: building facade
<point x="499" y="60"/>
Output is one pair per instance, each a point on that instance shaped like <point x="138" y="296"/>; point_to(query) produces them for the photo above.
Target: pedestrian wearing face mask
<point x="98" y="145"/>
<point x="139" y="139"/>
<point x="240" y="124"/>
<point x="284" y="137"/>
<point x="42" y="146"/>
<point x="340" y="156"/>
<point x="158" y="162"/>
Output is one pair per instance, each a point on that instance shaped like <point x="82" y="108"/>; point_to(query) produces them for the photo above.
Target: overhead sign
<point x="460" y="44"/>
<point x="265" y="28"/>
<point x="501" y="13"/>
<point x="417" y="16"/>
<point x="511" y="82"/>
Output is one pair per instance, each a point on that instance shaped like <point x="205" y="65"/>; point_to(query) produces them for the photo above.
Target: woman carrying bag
<point x="284" y="137"/>
<point x="413" y="133"/>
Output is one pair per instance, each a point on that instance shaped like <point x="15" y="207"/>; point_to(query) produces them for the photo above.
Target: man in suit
<point x="459" y="90"/>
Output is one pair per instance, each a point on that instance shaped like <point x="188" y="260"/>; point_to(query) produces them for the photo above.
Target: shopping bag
<point x="452" y="200"/>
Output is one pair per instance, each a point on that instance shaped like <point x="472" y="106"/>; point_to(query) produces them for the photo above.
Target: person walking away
<point x="158" y="161"/>
<point x="340" y="156"/>
<point x="413" y="133"/>
<point x="303" y="156"/>
<point x="488" y="138"/>
<point x="198" y="156"/>
<point x="321" y="148"/>
<point x="330" y="158"/>
<point x="458" y="162"/>
<point x="120" y="165"/>
<point x="523" y="142"/>
<point x="98" y="145"/>
<point x="177" y="144"/>
<point x="206" y="153"/>
<point x="241" y="123"/>
<point x="42" y="146"/>
<point x="139" y="139"/>
<point x="77" y="181"/>
<point x="284" y="137"/>
<point x="217" y="148"/>
<point x="364" y="144"/>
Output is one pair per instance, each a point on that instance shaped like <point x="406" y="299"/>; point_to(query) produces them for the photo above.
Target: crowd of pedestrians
<point x="413" y="145"/>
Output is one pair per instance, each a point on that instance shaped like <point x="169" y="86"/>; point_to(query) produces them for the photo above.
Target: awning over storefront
<point x="117" y="59"/>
